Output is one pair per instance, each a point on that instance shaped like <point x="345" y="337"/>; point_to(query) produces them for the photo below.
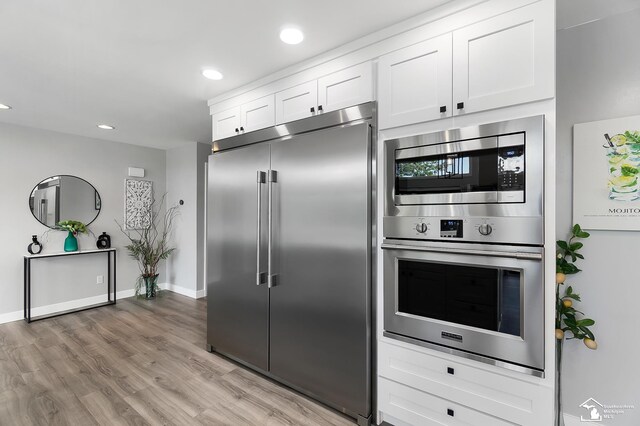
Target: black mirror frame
<point x="98" y="199"/>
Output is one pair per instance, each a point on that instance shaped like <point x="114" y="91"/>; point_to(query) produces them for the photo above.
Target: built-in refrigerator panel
<point x="320" y="303"/>
<point x="237" y="307"/>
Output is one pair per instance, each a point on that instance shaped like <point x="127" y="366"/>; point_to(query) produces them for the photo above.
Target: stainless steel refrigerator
<point x="290" y="218"/>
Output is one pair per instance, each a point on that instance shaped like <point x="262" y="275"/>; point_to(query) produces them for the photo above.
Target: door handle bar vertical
<point x="260" y="275"/>
<point x="271" y="277"/>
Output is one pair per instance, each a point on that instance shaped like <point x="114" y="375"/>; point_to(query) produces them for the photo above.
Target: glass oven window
<point x="487" y="298"/>
<point x="473" y="171"/>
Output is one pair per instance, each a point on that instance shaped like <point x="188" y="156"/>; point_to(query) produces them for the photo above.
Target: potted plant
<point x="73" y="227"/>
<point x="148" y="246"/>
<point x="567" y="316"/>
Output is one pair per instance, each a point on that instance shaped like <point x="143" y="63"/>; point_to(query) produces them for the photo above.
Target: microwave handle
<point x="514" y="255"/>
<point x="459" y="147"/>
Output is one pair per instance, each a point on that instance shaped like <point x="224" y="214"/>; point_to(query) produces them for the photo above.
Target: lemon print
<point x="623" y="181"/>
<point x="619" y="139"/>
<point x="614" y="159"/>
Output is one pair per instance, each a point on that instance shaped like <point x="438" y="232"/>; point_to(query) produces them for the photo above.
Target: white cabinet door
<point x="226" y="123"/>
<point x="414" y="83"/>
<point x="297" y="102"/>
<point x="258" y="114"/>
<point x="351" y="86"/>
<point x="505" y="60"/>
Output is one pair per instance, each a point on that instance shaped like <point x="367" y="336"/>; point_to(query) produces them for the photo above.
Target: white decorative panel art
<point x="137" y="203"/>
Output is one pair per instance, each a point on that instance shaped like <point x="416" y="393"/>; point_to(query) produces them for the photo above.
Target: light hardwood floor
<point x="138" y="362"/>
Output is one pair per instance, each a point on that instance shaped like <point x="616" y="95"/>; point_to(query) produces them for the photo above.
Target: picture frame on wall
<point x="137" y="205"/>
<point x="606" y="174"/>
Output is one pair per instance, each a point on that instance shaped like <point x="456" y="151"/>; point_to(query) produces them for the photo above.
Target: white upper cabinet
<point x="414" y="83"/>
<point x="501" y="61"/>
<point x="351" y="86"/>
<point x="258" y="114"/>
<point x="505" y="60"/>
<point x="297" y="102"/>
<point x="226" y="123"/>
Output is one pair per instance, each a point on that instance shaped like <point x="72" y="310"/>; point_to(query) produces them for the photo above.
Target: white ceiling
<point x="67" y="65"/>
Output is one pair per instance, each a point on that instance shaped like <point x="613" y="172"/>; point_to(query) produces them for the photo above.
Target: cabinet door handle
<point x="460" y="105"/>
<point x="313" y="109"/>
<point x="242" y="129"/>
<point x="443" y="108"/>
<point x="237" y="131"/>
<point x="319" y="108"/>
<point x="450" y="412"/>
<point x="450" y="370"/>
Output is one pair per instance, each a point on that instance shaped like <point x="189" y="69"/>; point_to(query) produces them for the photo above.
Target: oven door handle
<point x="493" y="253"/>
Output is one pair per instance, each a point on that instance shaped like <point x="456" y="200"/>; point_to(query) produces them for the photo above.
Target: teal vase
<point x="150" y="286"/>
<point x="70" y="243"/>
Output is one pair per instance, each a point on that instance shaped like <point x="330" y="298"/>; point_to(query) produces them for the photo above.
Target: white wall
<point x="26" y="157"/>
<point x="598" y="77"/>
<point x="185" y="169"/>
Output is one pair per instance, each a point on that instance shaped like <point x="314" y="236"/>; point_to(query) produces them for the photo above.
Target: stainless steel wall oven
<point x="463" y="255"/>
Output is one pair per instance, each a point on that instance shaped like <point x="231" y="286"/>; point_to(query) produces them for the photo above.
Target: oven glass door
<point x="485" y="301"/>
<point x="482" y="297"/>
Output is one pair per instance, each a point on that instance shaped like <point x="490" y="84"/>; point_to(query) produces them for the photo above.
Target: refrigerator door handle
<point x="271" y="277"/>
<point x="260" y="275"/>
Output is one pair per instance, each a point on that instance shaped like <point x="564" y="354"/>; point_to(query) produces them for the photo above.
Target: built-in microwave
<point x="492" y="175"/>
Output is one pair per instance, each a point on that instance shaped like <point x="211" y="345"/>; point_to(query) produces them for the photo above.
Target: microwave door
<point x="463" y="172"/>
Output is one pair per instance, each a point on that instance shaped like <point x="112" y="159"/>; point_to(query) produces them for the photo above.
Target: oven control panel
<point x="512" y="230"/>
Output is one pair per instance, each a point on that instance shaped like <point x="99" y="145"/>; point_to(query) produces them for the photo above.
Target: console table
<point x="110" y="281"/>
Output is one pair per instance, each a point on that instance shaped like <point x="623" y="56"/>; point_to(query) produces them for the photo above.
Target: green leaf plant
<point x="567" y="316"/>
<point x="150" y="245"/>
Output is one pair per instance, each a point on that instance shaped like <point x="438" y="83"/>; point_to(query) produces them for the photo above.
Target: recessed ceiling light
<point x="105" y="127"/>
<point x="212" y="74"/>
<point x="291" y="35"/>
<point x="3" y="106"/>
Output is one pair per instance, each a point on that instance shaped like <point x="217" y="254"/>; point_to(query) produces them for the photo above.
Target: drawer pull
<point x="312" y="110"/>
<point x="443" y="109"/>
<point x="450" y="412"/>
<point x="451" y="370"/>
<point x="460" y="105"/>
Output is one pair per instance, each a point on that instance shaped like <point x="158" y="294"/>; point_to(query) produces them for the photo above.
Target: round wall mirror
<point x="64" y="197"/>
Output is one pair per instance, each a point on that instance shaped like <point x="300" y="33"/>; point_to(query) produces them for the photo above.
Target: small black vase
<point x="104" y="241"/>
<point x="35" y="247"/>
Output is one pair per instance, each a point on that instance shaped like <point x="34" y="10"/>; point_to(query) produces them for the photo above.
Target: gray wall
<point x="27" y="156"/>
<point x="185" y="174"/>
<point x="598" y="77"/>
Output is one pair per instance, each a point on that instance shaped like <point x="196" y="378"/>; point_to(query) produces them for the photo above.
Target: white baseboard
<point x="63" y="306"/>
<point x="194" y="294"/>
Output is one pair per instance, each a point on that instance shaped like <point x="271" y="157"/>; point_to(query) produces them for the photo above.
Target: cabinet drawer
<point x="425" y="409"/>
<point x="506" y="397"/>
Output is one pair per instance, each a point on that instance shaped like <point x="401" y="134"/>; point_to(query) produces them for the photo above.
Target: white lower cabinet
<point x="424" y="389"/>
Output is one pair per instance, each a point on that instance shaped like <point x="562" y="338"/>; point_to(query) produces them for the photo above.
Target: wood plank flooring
<point x="137" y="363"/>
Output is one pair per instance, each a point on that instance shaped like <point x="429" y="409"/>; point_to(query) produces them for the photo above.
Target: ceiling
<point x="67" y="65"/>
